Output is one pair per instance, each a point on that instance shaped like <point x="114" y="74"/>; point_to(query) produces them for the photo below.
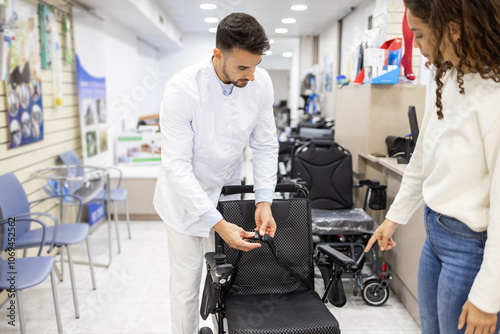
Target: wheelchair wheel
<point x="206" y="330"/>
<point x="369" y="295"/>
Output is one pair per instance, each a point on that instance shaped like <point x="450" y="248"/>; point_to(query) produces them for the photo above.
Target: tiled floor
<point x="132" y="295"/>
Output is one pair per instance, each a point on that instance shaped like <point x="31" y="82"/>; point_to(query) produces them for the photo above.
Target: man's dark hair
<point x="242" y="31"/>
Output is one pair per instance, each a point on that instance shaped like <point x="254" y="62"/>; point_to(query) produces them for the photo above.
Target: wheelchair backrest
<point x="258" y="270"/>
<point x="326" y="169"/>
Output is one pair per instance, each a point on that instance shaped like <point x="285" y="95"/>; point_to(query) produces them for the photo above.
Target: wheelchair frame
<point x="221" y="275"/>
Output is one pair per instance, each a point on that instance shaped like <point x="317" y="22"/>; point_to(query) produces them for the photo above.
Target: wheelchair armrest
<point x="338" y="257"/>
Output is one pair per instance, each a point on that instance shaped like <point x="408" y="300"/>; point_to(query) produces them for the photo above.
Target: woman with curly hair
<point x="455" y="169"/>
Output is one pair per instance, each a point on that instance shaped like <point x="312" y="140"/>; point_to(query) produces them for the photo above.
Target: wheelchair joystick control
<point x="219" y="257"/>
<point x="219" y="269"/>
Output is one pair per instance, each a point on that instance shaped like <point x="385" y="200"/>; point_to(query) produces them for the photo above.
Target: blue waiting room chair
<point x="18" y="274"/>
<point x="14" y="203"/>
<point x="70" y="158"/>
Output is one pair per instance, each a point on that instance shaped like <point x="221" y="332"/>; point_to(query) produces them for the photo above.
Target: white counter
<point x="140" y="181"/>
<point x="138" y="172"/>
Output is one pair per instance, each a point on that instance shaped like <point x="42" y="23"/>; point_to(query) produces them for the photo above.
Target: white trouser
<point x="186" y="256"/>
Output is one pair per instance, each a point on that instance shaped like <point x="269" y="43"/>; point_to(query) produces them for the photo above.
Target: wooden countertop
<point x="389" y="163"/>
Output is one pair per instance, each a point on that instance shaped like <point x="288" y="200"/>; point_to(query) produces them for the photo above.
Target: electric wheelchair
<point x="270" y="290"/>
<point x="324" y="167"/>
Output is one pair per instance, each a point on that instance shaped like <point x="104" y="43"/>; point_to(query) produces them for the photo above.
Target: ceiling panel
<point x="320" y="14"/>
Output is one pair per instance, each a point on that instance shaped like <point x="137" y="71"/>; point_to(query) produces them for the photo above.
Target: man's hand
<point x="383" y="234"/>
<point x="264" y="220"/>
<point x="234" y="236"/>
<point x="477" y="320"/>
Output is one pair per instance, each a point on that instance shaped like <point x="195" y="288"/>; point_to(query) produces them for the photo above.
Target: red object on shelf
<point x="361" y="76"/>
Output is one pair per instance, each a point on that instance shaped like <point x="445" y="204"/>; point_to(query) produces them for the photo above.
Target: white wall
<point x="196" y="48"/>
<point x="329" y="45"/>
<point x="134" y="84"/>
<point x="120" y="58"/>
<point x="281" y="84"/>
<point x="149" y="79"/>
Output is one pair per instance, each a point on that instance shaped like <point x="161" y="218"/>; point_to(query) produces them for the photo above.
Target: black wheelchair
<point x="270" y="290"/>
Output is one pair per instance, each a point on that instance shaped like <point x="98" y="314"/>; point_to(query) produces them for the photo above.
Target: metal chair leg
<point x="22" y="321"/>
<point x="115" y="213"/>
<point x="60" y="270"/>
<point x="73" y="284"/>
<point x="91" y="263"/>
<point x="56" y="302"/>
<point x="128" y="219"/>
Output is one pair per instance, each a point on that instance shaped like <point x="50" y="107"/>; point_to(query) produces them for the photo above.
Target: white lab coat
<point x="203" y="136"/>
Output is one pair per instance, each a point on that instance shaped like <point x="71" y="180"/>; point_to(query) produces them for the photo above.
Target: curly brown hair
<point x="478" y="47"/>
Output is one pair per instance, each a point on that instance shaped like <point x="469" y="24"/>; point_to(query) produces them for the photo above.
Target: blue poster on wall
<point x="23" y="82"/>
<point x="92" y="104"/>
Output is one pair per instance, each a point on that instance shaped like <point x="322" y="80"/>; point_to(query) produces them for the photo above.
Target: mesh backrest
<point x="258" y="271"/>
<point x="327" y="173"/>
<point x="13" y="201"/>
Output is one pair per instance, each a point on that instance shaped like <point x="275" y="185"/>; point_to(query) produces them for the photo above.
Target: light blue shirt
<point x="227" y="89"/>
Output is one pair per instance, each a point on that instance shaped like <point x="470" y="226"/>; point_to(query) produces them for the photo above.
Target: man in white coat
<point x="206" y="123"/>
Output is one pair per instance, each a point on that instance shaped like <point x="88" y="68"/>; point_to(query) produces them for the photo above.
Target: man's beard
<point x="240" y="83"/>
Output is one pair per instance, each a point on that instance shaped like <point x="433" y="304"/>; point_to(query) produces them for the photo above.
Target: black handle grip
<point x="246" y="189"/>
<point x="232" y="190"/>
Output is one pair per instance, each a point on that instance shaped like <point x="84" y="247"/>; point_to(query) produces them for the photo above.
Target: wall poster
<point x="22" y="75"/>
<point x="91" y="81"/>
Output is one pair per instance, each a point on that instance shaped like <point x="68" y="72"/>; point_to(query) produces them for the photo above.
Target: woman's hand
<point x="383" y="234"/>
<point x="478" y="322"/>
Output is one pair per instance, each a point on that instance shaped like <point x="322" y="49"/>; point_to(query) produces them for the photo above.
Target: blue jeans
<point x="450" y="260"/>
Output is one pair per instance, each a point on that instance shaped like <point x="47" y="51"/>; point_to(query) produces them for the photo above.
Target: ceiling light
<point x="208" y="6"/>
<point x="288" y="20"/>
<point x="299" y="7"/>
<point x="271" y="41"/>
<point x="287" y="54"/>
<point x="211" y="20"/>
<point x="268" y="53"/>
<point x="281" y="30"/>
<point x="213" y="30"/>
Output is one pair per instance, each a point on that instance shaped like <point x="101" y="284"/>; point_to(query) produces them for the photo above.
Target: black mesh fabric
<point x="258" y="270"/>
<point x="301" y="312"/>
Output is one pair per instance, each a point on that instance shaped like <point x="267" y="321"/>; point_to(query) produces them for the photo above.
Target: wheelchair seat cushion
<point x="299" y="312"/>
<point x="349" y="221"/>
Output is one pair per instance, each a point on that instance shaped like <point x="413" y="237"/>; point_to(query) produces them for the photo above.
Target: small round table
<point x="80" y="180"/>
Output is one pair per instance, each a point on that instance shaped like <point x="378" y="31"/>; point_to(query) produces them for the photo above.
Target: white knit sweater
<point x="455" y="170"/>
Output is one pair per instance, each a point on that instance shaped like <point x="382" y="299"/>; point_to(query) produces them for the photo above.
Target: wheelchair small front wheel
<point x="206" y="330"/>
<point x="371" y="297"/>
